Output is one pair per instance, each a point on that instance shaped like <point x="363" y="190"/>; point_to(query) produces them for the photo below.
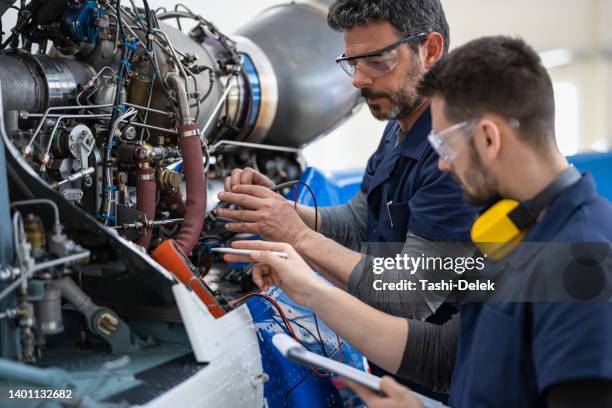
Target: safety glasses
<point x="375" y="63"/>
<point x="442" y="144"/>
<point x="448" y="147"/>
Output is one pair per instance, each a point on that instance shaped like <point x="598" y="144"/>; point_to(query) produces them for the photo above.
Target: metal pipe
<point x="146" y="191"/>
<point x="27" y="148"/>
<point x="46" y="201"/>
<point x="255" y="146"/>
<point x="181" y="96"/>
<point x="23" y="373"/>
<point x="45" y="159"/>
<point x="213" y="115"/>
<point x="74" y="177"/>
<point x="41" y="266"/>
<point x="159" y="129"/>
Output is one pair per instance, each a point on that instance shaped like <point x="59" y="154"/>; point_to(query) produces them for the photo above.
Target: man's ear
<point x="432" y="50"/>
<point x="488" y="140"/>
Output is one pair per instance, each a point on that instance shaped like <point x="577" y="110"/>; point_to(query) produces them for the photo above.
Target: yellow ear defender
<point x="503" y="226"/>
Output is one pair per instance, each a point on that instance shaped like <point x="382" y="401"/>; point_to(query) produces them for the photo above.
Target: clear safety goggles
<point x="448" y="147"/>
<point x="375" y="63"/>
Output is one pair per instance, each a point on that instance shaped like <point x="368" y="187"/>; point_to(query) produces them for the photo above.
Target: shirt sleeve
<point x="346" y="224"/>
<point x="411" y="304"/>
<point x="437" y="208"/>
<point x="429" y="356"/>
<point x="571" y="341"/>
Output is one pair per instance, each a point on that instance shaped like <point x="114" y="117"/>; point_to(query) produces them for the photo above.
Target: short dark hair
<point x="409" y="17"/>
<point x="498" y="75"/>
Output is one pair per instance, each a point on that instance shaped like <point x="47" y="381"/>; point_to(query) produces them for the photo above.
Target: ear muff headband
<point x="504" y="225"/>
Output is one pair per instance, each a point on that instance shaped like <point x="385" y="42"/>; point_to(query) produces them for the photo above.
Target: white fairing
<point x="234" y="375"/>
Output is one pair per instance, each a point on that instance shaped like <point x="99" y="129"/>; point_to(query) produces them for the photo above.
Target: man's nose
<point x="361" y="80"/>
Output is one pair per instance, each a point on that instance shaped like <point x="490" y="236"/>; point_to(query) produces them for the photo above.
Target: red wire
<point x="283" y="316"/>
<point x="295" y="197"/>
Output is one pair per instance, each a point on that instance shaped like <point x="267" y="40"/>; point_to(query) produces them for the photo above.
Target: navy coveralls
<point x="407" y="192"/>
<point x="510" y="353"/>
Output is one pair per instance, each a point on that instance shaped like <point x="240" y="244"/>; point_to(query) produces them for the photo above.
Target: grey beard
<point x="402" y="111"/>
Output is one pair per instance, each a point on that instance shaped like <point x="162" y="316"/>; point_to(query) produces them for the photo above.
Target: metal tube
<point x="213" y="115"/>
<point x="23" y="373"/>
<point x="41" y="266"/>
<point x="254" y="146"/>
<point x="42" y="121"/>
<point x="159" y="129"/>
<point x="181" y="96"/>
<point x="57" y="122"/>
<point x="36" y="201"/>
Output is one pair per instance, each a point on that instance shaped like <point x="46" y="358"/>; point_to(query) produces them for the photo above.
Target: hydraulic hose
<point x="193" y="168"/>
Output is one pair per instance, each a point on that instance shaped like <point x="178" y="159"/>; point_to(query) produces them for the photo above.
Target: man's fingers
<point x="240" y="215"/>
<point x="227" y="184"/>
<point x="245" y="227"/>
<point x="368" y="396"/>
<point x="249" y="176"/>
<point x="235" y="177"/>
<point x="243" y="200"/>
<point x="391" y="387"/>
<point x="262" y="276"/>
<point x="261" y="245"/>
<point x="265" y="275"/>
<point x="255" y="191"/>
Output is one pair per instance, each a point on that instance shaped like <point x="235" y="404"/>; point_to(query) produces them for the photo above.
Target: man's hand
<point x="396" y="395"/>
<point x="246" y="176"/>
<point x="264" y="213"/>
<point x="292" y="275"/>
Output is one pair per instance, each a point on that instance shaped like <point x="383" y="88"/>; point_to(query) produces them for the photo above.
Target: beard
<point x="404" y="102"/>
<point x="479" y="179"/>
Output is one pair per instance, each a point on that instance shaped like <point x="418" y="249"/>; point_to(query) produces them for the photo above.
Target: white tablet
<point x="297" y="353"/>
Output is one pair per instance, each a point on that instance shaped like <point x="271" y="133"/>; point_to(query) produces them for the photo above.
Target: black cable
<point x="288" y="184"/>
<point x="316" y="228"/>
<point x="149" y="24"/>
<point x="314" y="200"/>
<point x="316" y="208"/>
<point x="316" y="320"/>
<point x="307" y="330"/>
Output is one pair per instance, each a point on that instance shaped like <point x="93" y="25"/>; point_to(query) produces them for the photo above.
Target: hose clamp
<point x="190" y="133"/>
<point x="146" y="177"/>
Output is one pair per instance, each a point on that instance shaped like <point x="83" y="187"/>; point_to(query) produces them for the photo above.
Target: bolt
<point x="107" y="323"/>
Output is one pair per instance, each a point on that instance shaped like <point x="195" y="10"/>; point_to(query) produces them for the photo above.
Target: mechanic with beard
<point x="404" y="197"/>
<point x="493" y="107"/>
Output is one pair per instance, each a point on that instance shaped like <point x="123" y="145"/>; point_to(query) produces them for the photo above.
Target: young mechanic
<point x="404" y="197"/>
<point x="493" y="120"/>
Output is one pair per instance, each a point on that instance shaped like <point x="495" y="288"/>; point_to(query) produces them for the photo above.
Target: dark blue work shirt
<point x="407" y="192"/>
<point x="510" y="353"/>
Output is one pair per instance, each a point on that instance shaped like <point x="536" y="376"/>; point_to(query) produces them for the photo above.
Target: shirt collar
<point x="415" y="140"/>
<point x="561" y="209"/>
